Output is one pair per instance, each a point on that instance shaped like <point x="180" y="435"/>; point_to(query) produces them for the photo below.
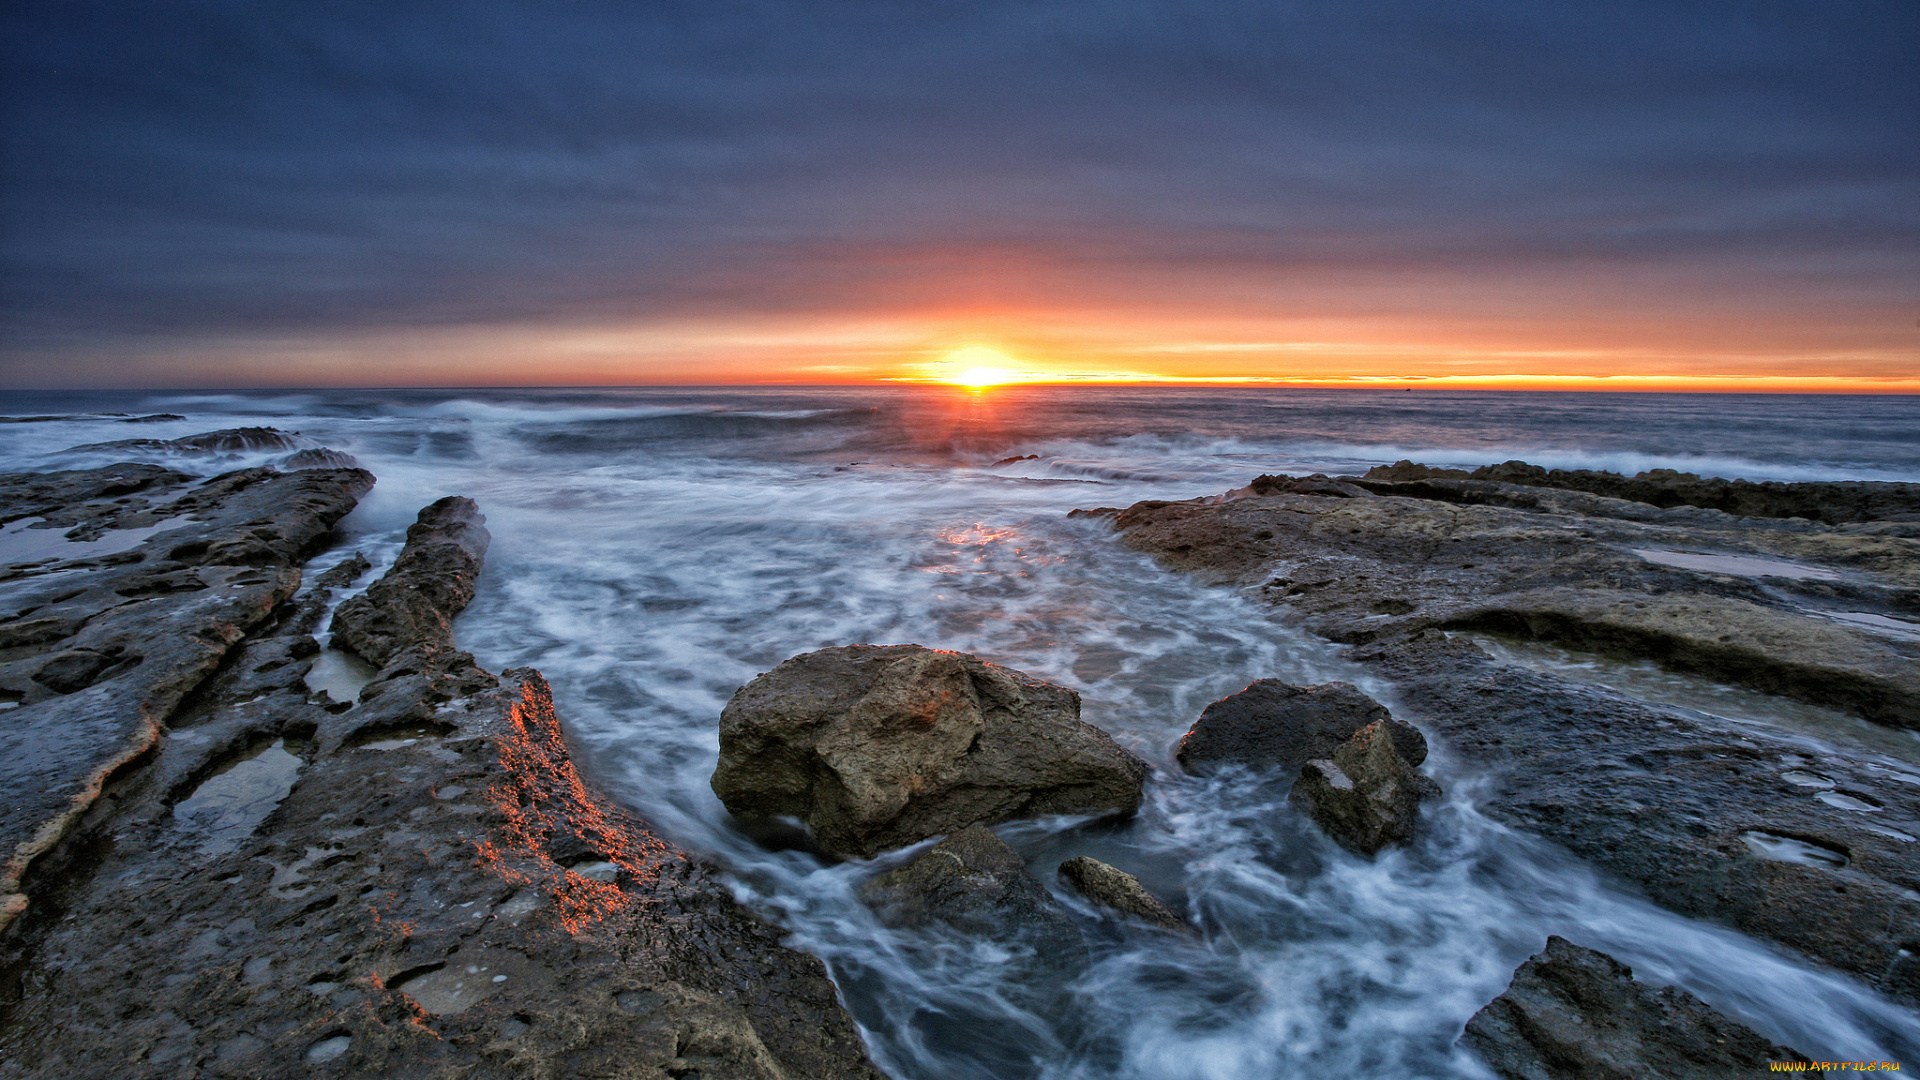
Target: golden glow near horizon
<point x="977" y="367"/>
<point x="1090" y="347"/>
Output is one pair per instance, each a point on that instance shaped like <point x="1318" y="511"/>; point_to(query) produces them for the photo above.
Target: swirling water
<point x="655" y="549"/>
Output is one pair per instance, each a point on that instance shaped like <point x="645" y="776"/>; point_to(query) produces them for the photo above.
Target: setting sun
<point x="983" y="376"/>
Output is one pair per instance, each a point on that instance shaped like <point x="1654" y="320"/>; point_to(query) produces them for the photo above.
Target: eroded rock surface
<point x="971" y="881"/>
<point x="224" y="441"/>
<point x="1834" y="502"/>
<point x="879" y="746"/>
<point x="1713" y="818"/>
<point x="418" y="884"/>
<point x="1365" y="796"/>
<point x="1275" y="724"/>
<point x="1112" y="887"/>
<point x="1577" y="1014"/>
<point x="413" y="604"/>
<point x="98" y="650"/>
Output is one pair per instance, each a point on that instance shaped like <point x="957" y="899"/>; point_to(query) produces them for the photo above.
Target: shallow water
<point x="654" y="550"/>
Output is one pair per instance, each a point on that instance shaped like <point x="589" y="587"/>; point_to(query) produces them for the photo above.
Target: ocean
<point x="655" y="549"/>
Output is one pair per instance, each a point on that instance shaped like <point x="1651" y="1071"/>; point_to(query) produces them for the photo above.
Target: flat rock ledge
<point x="1812" y="593"/>
<point x="416" y="883"/>
<point x="1577" y="1014"/>
<point x="878" y="747"/>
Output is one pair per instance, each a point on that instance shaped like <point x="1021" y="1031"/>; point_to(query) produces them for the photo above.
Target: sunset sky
<point x="1667" y="194"/>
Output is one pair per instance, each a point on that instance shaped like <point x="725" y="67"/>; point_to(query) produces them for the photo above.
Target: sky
<point x="1658" y="195"/>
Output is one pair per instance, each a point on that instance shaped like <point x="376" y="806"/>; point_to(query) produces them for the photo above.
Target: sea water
<point x="655" y="549"/>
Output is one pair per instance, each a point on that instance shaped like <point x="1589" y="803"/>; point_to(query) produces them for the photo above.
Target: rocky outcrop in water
<point x="971" y="881"/>
<point x="417" y="883"/>
<point x="414" y="603"/>
<point x="879" y="746"/>
<point x="1718" y="819"/>
<point x="1277" y="725"/>
<point x="1114" y="888"/>
<point x="1832" y="502"/>
<point x="224" y="441"/>
<point x="1577" y="1014"/>
<point x="1365" y="796"/>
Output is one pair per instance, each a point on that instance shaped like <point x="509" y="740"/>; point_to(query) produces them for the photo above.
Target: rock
<point x="880" y="746"/>
<point x="971" y="881"/>
<point x="1408" y="470"/>
<point x="1365" y="797"/>
<point x="1674" y="800"/>
<point x="224" y="441"/>
<point x="102" y="649"/>
<point x="1832" y="502"/>
<point x="1274" y="724"/>
<point x="418" y="885"/>
<point x="1577" y="1014"/>
<point x="319" y="458"/>
<point x="1665" y="798"/>
<point x="1114" y="888"/>
<point x="430" y="583"/>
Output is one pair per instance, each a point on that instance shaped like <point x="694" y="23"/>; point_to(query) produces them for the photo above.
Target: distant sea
<point x="654" y="549"/>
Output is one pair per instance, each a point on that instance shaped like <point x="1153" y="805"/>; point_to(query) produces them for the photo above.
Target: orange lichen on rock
<point x="549" y="824"/>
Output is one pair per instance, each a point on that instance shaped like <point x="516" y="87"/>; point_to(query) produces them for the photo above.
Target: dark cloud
<point x="200" y="167"/>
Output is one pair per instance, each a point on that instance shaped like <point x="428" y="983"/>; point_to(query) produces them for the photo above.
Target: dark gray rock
<point x="319" y="458"/>
<point x="433" y="579"/>
<point x="224" y="441"/>
<point x="971" y="881"/>
<point x="418" y="885"/>
<point x="1365" y="796"/>
<point x="1112" y="887"/>
<point x="1677" y="802"/>
<point x="880" y="746"/>
<point x="1275" y="724"/>
<point x="102" y="649"/>
<point x="1577" y="1014"/>
<point x="1832" y="502"/>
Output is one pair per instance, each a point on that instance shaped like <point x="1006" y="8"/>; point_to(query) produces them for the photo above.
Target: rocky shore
<point x="235" y="851"/>
<point x="215" y="869"/>
<point x="1444" y="583"/>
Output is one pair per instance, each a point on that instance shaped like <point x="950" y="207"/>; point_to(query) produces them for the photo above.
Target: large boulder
<point x="1578" y="1014"/>
<point x="880" y="746"/>
<point x="1365" y="796"/>
<point x="1274" y="724"/>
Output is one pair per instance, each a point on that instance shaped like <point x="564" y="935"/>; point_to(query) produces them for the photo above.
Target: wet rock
<point x="1832" y="502"/>
<point x="224" y="441"/>
<point x="425" y="887"/>
<point x="313" y="607"/>
<point x="432" y="580"/>
<point x="879" y="746"/>
<point x="1275" y="724"/>
<point x="104" y="649"/>
<point x="1662" y="797"/>
<point x="971" y="881"/>
<point x="319" y="458"/>
<point x="1317" y="484"/>
<point x="1659" y="795"/>
<point x="1365" y="796"/>
<point x="1112" y="887"/>
<point x="1577" y="1014"/>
